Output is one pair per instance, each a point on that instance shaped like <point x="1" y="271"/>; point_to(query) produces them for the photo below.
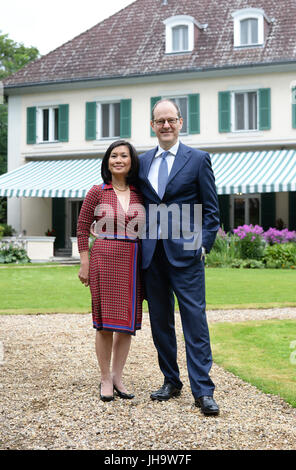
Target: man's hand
<point x="203" y="253"/>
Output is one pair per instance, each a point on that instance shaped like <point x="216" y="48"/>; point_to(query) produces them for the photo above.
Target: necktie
<point x="163" y="174"/>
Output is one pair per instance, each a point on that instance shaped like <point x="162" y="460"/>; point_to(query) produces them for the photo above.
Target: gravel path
<point x="49" y="394"/>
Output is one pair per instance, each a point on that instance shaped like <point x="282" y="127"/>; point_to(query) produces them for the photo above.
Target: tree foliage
<point x="13" y="57"/>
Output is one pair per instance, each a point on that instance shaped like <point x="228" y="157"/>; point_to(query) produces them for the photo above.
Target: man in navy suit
<point x="174" y="173"/>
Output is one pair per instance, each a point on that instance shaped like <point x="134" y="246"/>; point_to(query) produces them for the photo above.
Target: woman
<point x="112" y="272"/>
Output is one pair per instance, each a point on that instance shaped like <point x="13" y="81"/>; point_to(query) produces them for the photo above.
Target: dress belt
<point x="122" y="239"/>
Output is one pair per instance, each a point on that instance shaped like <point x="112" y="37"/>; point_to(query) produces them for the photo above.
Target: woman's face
<point x="120" y="161"/>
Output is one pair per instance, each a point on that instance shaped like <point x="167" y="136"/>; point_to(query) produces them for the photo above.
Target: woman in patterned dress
<point x="114" y="213"/>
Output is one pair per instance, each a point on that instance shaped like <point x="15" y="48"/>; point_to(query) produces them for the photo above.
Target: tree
<point x="13" y="56"/>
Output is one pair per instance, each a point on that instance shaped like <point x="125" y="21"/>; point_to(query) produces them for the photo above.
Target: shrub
<point x="280" y="255"/>
<point x="13" y="253"/>
<point x="248" y="263"/>
<point x="252" y="246"/>
<point x="6" y="230"/>
<point x="225" y="249"/>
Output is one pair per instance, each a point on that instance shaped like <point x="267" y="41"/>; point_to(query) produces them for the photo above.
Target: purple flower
<point x="273" y="236"/>
<point x="243" y="230"/>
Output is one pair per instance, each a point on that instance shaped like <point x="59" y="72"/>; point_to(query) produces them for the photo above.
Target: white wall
<point x="36" y="215"/>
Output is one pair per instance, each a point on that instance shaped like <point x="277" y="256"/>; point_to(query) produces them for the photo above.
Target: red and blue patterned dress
<point x="114" y="275"/>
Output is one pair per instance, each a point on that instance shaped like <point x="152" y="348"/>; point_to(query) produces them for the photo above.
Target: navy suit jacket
<point x="191" y="181"/>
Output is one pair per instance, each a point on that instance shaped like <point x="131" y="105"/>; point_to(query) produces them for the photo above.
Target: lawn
<point x="48" y="289"/>
<point x="260" y="352"/>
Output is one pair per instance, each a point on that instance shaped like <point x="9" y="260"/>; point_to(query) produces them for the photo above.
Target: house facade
<point x="231" y="67"/>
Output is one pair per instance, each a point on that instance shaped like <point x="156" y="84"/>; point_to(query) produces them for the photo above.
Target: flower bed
<point x="249" y="246"/>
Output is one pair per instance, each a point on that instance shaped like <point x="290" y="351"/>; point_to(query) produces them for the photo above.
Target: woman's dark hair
<point x="132" y="174"/>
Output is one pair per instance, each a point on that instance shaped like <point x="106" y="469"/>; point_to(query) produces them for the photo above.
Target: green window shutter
<point x="294" y="108"/>
<point x="194" y="114"/>
<point x="31" y="125"/>
<point x="153" y="101"/>
<point x="125" y="118"/>
<point x="63" y="122"/>
<point x="264" y="109"/>
<point x="91" y="121"/>
<point x="268" y="210"/>
<point x="224" y="111"/>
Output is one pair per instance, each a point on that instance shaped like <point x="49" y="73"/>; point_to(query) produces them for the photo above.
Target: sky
<point x="48" y="25"/>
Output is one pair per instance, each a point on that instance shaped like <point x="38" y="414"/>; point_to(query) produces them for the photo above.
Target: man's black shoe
<point x="166" y="392"/>
<point x="208" y="405"/>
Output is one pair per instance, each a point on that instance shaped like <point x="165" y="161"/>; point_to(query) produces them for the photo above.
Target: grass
<point x="48" y="289"/>
<point x="259" y="352"/>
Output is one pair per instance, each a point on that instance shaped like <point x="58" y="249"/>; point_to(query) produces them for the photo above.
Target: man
<point x="176" y="174"/>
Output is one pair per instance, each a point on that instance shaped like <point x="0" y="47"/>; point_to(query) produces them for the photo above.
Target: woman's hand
<point x="84" y="268"/>
<point x="84" y="274"/>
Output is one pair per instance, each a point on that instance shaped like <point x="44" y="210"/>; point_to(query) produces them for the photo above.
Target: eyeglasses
<point x="161" y="122"/>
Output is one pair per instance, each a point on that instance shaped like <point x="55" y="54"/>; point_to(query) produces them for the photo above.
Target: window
<point x="180" y="38"/>
<point x="249" y="27"/>
<point x="106" y="120"/>
<point x="47" y="124"/>
<point x="180" y="33"/>
<point x="109" y="120"/>
<point x="245" y="111"/>
<point x="249" y="31"/>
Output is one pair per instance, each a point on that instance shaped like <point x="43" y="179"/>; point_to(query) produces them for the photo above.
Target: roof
<point x="132" y="43"/>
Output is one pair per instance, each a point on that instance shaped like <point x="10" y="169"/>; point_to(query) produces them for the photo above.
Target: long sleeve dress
<point x="114" y="274"/>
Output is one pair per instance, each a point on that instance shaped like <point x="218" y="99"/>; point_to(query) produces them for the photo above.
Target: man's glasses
<point x="161" y="122"/>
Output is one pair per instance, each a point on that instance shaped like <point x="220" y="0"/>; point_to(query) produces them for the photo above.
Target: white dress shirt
<point x="153" y="172"/>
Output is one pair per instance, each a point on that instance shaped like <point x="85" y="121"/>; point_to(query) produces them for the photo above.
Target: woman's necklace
<point x="119" y="189"/>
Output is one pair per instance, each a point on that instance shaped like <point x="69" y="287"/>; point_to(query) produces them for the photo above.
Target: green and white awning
<point x="235" y="172"/>
<point x="255" y="172"/>
<point x="52" y="178"/>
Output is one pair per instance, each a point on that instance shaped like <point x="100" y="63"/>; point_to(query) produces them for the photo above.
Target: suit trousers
<point x="162" y="280"/>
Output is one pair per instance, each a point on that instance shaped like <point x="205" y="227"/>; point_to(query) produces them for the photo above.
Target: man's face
<point x="166" y="131"/>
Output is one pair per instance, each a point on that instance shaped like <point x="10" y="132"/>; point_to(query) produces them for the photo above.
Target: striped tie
<point x="163" y="174"/>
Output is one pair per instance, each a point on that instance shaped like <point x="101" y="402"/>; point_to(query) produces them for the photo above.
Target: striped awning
<point x="52" y="178"/>
<point x="235" y="172"/>
<point x="255" y="172"/>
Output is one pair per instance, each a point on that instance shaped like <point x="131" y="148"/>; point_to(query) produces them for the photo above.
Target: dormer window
<point x="249" y="26"/>
<point x="180" y="38"/>
<point x="249" y="31"/>
<point x="181" y="33"/>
